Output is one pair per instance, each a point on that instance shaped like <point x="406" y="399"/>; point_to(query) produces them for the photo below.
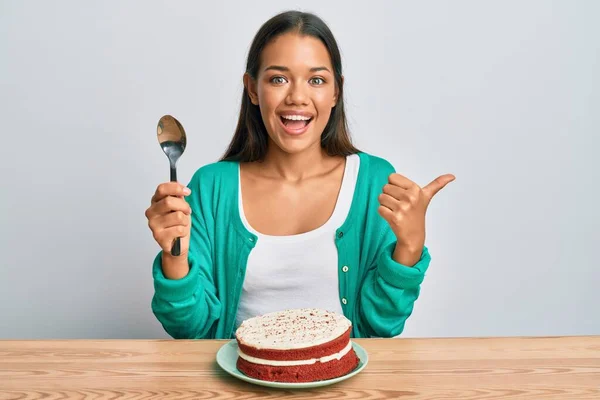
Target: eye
<point x="317" y="81"/>
<point x="278" y="80"/>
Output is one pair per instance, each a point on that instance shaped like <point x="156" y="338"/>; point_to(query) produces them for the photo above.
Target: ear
<point x="337" y="93"/>
<point x="250" y="86"/>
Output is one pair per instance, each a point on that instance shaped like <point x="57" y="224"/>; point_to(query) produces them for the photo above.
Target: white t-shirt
<point x="298" y="270"/>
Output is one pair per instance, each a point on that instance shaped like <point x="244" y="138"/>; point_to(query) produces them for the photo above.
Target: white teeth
<point x="296" y="117"/>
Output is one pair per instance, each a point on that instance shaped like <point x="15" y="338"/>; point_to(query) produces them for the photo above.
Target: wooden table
<point x="476" y="368"/>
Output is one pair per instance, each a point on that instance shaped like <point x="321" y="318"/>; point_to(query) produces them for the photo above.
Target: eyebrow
<point x="286" y="69"/>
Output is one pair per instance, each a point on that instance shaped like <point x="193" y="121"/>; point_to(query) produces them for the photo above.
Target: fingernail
<point x="186" y="190"/>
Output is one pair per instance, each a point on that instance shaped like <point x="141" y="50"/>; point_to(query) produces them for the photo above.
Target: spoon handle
<point x="176" y="248"/>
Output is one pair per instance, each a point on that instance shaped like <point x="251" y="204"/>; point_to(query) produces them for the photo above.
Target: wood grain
<point x="469" y="368"/>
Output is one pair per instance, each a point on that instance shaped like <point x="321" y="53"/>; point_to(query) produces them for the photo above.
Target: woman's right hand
<point x="169" y="217"/>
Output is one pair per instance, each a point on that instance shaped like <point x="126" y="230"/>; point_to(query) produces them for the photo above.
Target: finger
<point x="170" y="189"/>
<point x="401" y="181"/>
<point x="386" y="213"/>
<point x="389" y="202"/>
<point x="176" y="218"/>
<point x="396" y="192"/>
<point x="436" y="185"/>
<point x="166" y="236"/>
<point x="170" y="204"/>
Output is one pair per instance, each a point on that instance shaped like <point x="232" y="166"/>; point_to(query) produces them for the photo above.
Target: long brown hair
<point x="250" y="140"/>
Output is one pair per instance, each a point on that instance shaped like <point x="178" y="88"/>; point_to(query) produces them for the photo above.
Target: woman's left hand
<point x="403" y="205"/>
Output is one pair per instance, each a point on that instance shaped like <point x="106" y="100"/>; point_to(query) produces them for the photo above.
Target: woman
<point x="293" y="215"/>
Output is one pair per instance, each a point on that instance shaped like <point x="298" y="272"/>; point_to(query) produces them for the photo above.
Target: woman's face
<point x="295" y="90"/>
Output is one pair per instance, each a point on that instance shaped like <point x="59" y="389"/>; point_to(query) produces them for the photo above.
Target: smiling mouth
<point x="295" y="124"/>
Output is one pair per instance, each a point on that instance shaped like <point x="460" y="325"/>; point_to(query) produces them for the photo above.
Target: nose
<point x="297" y="94"/>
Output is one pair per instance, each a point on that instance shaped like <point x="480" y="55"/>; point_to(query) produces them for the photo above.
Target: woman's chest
<point x="285" y="209"/>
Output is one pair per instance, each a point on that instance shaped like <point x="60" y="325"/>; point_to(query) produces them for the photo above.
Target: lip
<point x="295" y="132"/>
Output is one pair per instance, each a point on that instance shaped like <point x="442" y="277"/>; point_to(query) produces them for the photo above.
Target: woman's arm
<point x="389" y="291"/>
<point x="392" y="282"/>
<point x="188" y="307"/>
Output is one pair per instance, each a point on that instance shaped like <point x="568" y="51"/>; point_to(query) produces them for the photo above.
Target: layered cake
<point x="299" y="345"/>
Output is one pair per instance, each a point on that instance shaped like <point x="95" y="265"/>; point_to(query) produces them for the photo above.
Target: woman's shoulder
<point x="217" y="172"/>
<point x="375" y="166"/>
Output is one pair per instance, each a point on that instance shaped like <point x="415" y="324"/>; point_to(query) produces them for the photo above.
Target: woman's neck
<point x="296" y="167"/>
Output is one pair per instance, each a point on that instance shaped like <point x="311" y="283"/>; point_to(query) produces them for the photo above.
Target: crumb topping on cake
<point x="292" y="329"/>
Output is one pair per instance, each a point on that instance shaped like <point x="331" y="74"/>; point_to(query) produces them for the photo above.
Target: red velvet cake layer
<point x="300" y="373"/>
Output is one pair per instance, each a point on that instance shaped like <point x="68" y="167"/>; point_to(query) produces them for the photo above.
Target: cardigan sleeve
<point x="187" y="308"/>
<point x="389" y="293"/>
<point x="389" y="289"/>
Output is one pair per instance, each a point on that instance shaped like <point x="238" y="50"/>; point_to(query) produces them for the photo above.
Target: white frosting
<point x="292" y="329"/>
<point x="336" y="356"/>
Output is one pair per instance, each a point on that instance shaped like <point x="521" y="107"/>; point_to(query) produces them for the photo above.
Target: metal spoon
<point x="172" y="139"/>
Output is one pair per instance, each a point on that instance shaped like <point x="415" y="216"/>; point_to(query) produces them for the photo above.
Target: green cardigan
<point x="376" y="293"/>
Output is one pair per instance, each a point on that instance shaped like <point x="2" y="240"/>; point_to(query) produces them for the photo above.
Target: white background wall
<point x="505" y="95"/>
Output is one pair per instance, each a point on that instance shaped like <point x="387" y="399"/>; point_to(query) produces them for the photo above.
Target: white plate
<point x="227" y="359"/>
